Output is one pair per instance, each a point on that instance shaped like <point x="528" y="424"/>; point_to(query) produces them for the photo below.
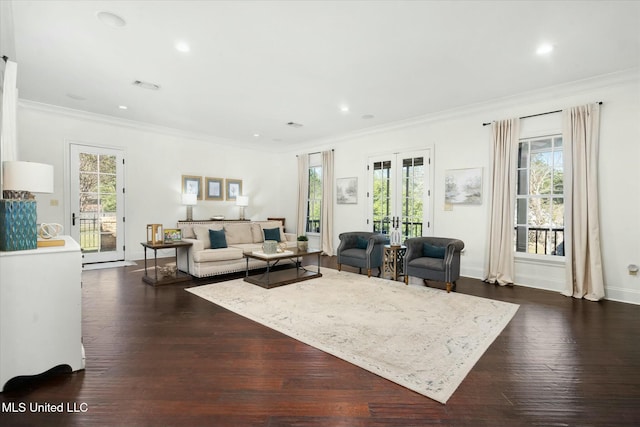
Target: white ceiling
<point x="254" y="66"/>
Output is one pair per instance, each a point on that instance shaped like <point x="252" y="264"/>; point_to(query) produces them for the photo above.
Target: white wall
<point x="459" y="140"/>
<point x="155" y="163"/>
<point x="156" y="160"/>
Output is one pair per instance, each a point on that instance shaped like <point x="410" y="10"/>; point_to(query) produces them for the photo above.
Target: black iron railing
<point x="540" y="240"/>
<point x="407" y="228"/>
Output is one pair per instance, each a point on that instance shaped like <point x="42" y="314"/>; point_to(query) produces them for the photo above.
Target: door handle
<point x="73" y="219"/>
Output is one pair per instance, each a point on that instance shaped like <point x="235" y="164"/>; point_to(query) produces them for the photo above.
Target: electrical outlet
<point x="53" y="202"/>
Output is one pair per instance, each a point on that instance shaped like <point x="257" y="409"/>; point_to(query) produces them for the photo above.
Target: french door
<point x="97" y="202"/>
<point x="399" y="193"/>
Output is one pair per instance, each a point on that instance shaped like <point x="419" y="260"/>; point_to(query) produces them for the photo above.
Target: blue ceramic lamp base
<point x="18" y="229"/>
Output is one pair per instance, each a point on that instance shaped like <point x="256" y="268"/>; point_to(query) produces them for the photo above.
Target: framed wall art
<point x="347" y="191"/>
<point x="233" y="189"/>
<point x="214" y="188"/>
<point x="192" y="185"/>
<point x="463" y="186"/>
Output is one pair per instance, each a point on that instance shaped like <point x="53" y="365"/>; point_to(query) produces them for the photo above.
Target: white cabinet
<point x="40" y="310"/>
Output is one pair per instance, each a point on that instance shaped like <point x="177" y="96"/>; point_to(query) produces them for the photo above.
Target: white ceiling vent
<point x="294" y="125"/>
<point x="146" y="85"/>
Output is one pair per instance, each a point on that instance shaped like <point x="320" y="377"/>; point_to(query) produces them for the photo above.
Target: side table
<point x="394" y="260"/>
<point x="154" y="280"/>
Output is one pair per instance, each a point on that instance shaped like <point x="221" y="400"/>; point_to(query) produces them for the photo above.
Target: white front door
<point x="97" y="202"/>
<point x="399" y="193"/>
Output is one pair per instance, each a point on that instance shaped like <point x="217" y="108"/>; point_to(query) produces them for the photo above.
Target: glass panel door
<point x="399" y="193"/>
<point x="97" y="201"/>
<point x="413" y="182"/>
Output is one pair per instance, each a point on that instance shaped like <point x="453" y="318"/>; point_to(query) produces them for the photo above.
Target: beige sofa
<point x="241" y="237"/>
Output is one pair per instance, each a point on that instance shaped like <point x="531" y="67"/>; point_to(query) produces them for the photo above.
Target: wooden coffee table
<point x="271" y="279"/>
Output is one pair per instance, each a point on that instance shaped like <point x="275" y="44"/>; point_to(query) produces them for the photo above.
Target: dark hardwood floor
<point x="164" y="357"/>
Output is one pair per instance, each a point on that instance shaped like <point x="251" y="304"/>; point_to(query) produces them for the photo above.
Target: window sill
<point x="539" y="259"/>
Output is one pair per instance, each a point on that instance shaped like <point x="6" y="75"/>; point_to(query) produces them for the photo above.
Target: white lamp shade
<point x="242" y="201"/>
<point x="189" y="199"/>
<point x="27" y="176"/>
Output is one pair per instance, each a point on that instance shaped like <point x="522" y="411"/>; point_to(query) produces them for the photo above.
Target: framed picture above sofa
<point x="214" y="188"/>
<point x="192" y="185"/>
<point x="233" y="189"/>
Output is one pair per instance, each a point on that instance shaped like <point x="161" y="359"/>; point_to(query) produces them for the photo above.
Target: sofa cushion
<point x="362" y="243"/>
<point x="432" y="251"/>
<point x="218" y="239"/>
<point x="427" y="263"/>
<point x="223" y="254"/>
<point x="247" y="248"/>
<point x="202" y="233"/>
<point x="272" y="234"/>
<point x="187" y="231"/>
<point x="354" y="253"/>
<point x="238" y="233"/>
<point x="271" y="225"/>
<point x="256" y="233"/>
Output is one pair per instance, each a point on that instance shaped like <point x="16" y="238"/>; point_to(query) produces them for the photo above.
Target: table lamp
<point x="18" y="210"/>
<point x="242" y="202"/>
<point x="189" y="200"/>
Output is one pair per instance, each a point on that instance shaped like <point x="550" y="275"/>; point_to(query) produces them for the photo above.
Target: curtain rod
<point x="317" y="152"/>
<point x="539" y="114"/>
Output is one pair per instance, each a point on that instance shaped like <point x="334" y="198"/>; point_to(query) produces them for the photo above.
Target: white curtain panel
<point x="500" y="264"/>
<point x="584" y="277"/>
<point x="8" y="134"/>
<point x="303" y="189"/>
<point x="326" y="220"/>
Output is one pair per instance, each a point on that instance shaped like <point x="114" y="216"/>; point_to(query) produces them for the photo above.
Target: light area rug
<point x="423" y="339"/>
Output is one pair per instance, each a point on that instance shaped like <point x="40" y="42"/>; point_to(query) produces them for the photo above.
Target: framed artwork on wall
<point x="233" y="189"/>
<point x="192" y="185"/>
<point x="463" y="186"/>
<point x="214" y="188"/>
<point x="347" y="191"/>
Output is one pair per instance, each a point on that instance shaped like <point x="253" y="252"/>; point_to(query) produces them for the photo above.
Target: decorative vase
<point x="303" y="246"/>
<point x="396" y="237"/>
<point x="270" y="247"/>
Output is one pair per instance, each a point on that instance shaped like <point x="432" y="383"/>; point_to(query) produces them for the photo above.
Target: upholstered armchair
<point x="362" y="249"/>
<point x="433" y="258"/>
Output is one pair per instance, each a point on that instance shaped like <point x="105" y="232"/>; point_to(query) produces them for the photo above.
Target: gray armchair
<point x="439" y="260"/>
<point x="362" y="249"/>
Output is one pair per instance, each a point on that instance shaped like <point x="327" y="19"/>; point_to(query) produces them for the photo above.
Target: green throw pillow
<point x="218" y="239"/>
<point x="362" y="243"/>
<point x="272" y="234"/>
<point x="433" y="251"/>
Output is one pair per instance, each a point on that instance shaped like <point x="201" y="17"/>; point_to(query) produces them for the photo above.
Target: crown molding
<point x="488" y="107"/>
<point x="131" y="124"/>
<point x="512" y="102"/>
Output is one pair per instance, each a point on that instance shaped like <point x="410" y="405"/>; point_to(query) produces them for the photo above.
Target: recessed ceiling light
<point x="344" y="108"/>
<point x="146" y="85"/>
<point x="182" y="46"/>
<point x="111" y="19"/>
<point x="256" y="135"/>
<point x="76" y="97"/>
<point x="544" y="49"/>
<point x="122" y="107"/>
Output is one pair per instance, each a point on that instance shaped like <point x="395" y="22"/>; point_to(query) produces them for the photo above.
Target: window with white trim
<point x="539" y="216"/>
<point x="314" y="195"/>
